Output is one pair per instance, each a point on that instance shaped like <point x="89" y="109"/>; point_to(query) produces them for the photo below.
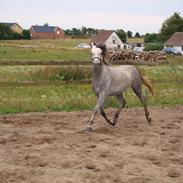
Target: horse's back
<point x="122" y="77"/>
<point x="128" y="71"/>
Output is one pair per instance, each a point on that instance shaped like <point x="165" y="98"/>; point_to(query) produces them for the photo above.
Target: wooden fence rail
<point x="42" y="83"/>
<point x="58" y="83"/>
<point x="70" y="63"/>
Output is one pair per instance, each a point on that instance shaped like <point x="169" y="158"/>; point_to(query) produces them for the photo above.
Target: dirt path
<point x="54" y="148"/>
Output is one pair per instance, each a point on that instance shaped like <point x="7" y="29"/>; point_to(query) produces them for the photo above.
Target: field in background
<point x="42" y="50"/>
<point x="135" y="40"/>
<point x="45" y="50"/>
<point x="167" y="79"/>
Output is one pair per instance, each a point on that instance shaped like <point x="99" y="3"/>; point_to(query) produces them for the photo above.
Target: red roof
<point x="101" y="36"/>
<point x="175" y="40"/>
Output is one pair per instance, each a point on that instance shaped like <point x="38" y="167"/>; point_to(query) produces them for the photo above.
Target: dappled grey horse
<point x="109" y="81"/>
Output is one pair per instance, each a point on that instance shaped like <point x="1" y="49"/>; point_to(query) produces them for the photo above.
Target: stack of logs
<point x="127" y="55"/>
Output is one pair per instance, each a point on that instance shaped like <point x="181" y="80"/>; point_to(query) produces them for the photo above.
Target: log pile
<point x="127" y="55"/>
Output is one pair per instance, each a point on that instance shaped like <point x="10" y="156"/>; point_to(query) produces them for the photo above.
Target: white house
<point x="176" y="41"/>
<point x="109" y="38"/>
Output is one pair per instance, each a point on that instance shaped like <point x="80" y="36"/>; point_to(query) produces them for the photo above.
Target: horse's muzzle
<point x="96" y="61"/>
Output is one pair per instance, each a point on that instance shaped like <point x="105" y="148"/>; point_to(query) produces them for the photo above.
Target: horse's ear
<point x="103" y="48"/>
<point x="91" y="44"/>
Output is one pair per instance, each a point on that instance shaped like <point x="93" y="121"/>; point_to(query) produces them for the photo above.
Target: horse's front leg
<point x="100" y="101"/>
<point x="104" y="115"/>
<point x="122" y="103"/>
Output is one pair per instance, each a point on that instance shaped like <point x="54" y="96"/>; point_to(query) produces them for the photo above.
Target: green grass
<point x="77" y="97"/>
<point x="167" y="79"/>
<point x="170" y="72"/>
<point x="42" y="50"/>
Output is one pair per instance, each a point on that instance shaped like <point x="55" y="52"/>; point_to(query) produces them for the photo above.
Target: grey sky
<point x="135" y="15"/>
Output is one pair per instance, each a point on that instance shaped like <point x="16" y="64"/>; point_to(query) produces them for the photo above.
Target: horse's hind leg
<point x="122" y="103"/>
<point x="138" y="91"/>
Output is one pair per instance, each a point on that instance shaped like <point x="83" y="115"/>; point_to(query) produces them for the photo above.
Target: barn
<point x="176" y="41"/>
<point x="46" y="32"/>
<point x="15" y="27"/>
<point x="109" y="38"/>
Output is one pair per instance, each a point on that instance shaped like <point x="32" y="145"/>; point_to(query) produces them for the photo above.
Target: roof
<point x="8" y="24"/>
<point x="101" y="36"/>
<point x="175" y="40"/>
<point x="37" y="28"/>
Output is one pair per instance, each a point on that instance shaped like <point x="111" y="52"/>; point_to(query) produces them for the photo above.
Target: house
<point x="15" y="27"/>
<point x="134" y="42"/>
<point x="109" y="38"/>
<point x="176" y="41"/>
<point x="46" y="32"/>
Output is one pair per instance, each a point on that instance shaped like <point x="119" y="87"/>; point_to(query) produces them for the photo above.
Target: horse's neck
<point x="98" y="72"/>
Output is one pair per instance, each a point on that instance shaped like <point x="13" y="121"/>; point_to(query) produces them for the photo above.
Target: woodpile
<point x="127" y="55"/>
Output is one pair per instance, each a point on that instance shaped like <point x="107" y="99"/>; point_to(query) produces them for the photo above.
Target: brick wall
<point x="58" y="34"/>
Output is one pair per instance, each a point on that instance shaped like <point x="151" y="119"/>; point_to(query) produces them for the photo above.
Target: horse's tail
<point x="147" y="82"/>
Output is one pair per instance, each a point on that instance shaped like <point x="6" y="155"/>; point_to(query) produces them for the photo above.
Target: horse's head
<point x="98" y="54"/>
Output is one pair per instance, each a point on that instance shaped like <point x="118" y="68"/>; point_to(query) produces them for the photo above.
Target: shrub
<point x="153" y="47"/>
<point x="63" y="73"/>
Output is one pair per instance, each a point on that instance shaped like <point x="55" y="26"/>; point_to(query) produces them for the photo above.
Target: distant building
<point x="135" y="42"/>
<point x="109" y="38"/>
<point x="46" y="32"/>
<point x="176" y="41"/>
<point x="15" y="27"/>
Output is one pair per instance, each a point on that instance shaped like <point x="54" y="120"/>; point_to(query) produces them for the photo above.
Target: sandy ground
<point x="55" y="148"/>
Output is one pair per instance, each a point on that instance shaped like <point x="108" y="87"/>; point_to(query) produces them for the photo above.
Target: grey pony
<point x="113" y="81"/>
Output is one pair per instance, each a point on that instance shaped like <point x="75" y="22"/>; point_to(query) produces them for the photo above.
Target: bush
<point x="26" y="34"/>
<point x="72" y="73"/>
<point x="153" y="47"/>
<point x="151" y="38"/>
<point x="63" y="73"/>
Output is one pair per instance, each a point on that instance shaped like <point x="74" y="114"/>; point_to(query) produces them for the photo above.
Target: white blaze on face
<point x="96" y="54"/>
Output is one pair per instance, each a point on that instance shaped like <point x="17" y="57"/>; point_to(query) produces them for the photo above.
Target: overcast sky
<point x="136" y="15"/>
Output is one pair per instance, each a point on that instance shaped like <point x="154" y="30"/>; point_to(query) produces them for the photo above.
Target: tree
<point x="129" y="33"/>
<point x="84" y="31"/>
<point x="151" y="38"/>
<point x="46" y="24"/>
<point x="26" y="34"/>
<point x="171" y="25"/>
<point x="76" y="31"/>
<point x="137" y="35"/>
<point x="5" y="32"/>
<point x="122" y="35"/>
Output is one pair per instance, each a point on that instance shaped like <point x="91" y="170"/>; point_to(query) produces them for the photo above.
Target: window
<point x="58" y="32"/>
<point x="114" y="41"/>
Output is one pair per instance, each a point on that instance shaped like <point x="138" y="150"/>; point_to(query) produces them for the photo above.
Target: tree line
<point x="171" y="25"/>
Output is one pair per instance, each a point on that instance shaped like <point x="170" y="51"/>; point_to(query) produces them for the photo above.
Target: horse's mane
<point x="104" y="52"/>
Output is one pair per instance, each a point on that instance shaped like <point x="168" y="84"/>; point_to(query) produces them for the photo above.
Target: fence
<point x="36" y="63"/>
<point x="60" y="63"/>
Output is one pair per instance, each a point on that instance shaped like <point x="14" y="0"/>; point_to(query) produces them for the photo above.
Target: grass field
<point x="45" y="50"/>
<point x="78" y="97"/>
<point x="167" y="80"/>
<point x="42" y="50"/>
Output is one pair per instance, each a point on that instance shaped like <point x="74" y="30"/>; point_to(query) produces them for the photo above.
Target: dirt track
<point x="54" y="148"/>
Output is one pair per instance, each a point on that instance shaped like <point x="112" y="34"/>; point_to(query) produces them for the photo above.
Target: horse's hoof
<point x="113" y="124"/>
<point x="149" y="119"/>
<point x="115" y="120"/>
<point x="88" y="128"/>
